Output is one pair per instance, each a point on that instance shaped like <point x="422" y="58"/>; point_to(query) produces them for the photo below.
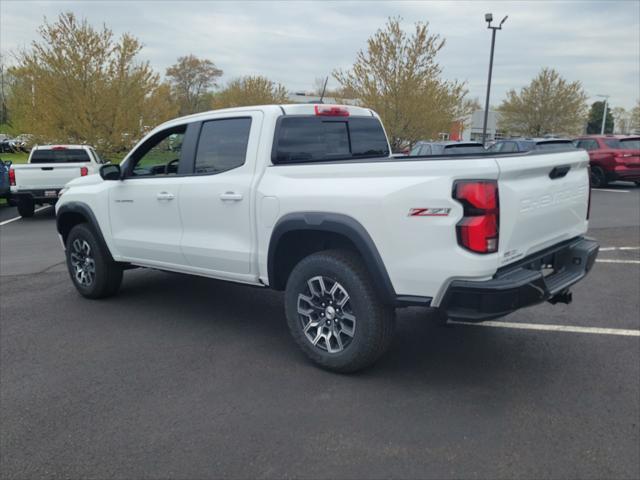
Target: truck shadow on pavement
<point x="422" y="351"/>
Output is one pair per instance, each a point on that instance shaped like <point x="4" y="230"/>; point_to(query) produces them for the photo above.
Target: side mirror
<point x="110" y="172"/>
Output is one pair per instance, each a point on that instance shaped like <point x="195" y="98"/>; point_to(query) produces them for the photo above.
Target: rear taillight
<point x="478" y="230"/>
<point x="84" y="171"/>
<point x="12" y="177"/>
<point x="331" y="111"/>
<point x="620" y="157"/>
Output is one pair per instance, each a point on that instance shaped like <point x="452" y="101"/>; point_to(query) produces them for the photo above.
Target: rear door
<point x="216" y="203"/>
<point x="543" y="201"/>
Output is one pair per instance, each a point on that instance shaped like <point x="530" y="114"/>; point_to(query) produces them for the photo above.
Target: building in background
<point x="473" y="126"/>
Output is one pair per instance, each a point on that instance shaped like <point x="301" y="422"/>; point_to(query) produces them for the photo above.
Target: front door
<point x="144" y="207"/>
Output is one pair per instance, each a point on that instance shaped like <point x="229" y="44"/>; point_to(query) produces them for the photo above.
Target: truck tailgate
<point x="46" y="175"/>
<point x="543" y="201"/>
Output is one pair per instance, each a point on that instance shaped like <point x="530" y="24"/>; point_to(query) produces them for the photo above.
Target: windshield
<point x="630" y="143"/>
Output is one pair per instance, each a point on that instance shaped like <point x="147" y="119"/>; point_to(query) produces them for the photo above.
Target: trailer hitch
<point x="563" y="297"/>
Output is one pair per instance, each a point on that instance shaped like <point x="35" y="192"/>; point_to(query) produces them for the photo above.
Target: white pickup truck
<point x="47" y="170"/>
<point x="307" y="199"/>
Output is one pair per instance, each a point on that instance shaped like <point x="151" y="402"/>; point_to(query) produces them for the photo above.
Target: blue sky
<point x="292" y="42"/>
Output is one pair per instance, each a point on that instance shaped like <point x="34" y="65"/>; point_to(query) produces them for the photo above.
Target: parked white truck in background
<point x="47" y="170"/>
<point x="307" y="199"/>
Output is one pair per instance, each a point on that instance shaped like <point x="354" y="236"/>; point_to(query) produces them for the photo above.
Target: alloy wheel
<point x="84" y="266"/>
<point x="326" y="317"/>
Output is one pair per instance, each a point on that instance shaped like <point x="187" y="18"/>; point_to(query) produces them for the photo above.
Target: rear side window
<point x="612" y="143"/>
<point x="222" y="145"/>
<point x="462" y="149"/>
<point x="588" y="144"/>
<point x="301" y="139"/>
<point x="630" y="143"/>
<point x="63" y="155"/>
<point x="547" y="146"/>
<point x="509" y="147"/>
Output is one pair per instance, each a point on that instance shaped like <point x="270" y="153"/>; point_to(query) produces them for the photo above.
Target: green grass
<point x="15" y="157"/>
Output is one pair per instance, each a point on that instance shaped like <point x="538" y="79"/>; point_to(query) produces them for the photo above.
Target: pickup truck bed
<point x="48" y="169"/>
<point x="307" y="199"/>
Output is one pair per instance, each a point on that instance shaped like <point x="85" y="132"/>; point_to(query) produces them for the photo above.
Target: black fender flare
<point x="85" y="211"/>
<point x="349" y="228"/>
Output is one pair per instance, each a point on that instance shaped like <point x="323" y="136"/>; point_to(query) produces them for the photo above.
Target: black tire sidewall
<point x="598" y="173"/>
<point x="368" y="310"/>
<point x="100" y="284"/>
<point x="26" y="207"/>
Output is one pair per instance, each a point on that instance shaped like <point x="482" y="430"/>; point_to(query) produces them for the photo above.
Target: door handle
<point x="230" y="197"/>
<point x="165" y="196"/>
<point x="559" y="172"/>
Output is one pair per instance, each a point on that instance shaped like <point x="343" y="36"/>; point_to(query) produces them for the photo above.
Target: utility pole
<point x="604" y="113"/>
<point x="489" y="18"/>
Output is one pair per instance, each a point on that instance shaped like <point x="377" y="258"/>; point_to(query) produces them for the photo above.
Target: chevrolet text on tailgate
<point x="308" y="199"/>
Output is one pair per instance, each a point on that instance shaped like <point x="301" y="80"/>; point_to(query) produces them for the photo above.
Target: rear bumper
<point x="523" y="283"/>
<point x="622" y="172"/>
<point x="37" y="196"/>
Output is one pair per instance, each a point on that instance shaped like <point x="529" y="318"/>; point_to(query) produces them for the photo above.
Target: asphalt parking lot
<point x="181" y="377"/>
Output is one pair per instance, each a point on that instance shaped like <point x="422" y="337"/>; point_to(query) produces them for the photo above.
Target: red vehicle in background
<point x="612" y="158"/>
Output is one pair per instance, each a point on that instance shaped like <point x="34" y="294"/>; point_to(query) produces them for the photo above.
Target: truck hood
<point x="88" y="180"/>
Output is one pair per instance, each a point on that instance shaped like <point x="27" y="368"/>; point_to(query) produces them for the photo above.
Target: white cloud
<point x="597" y="43"/>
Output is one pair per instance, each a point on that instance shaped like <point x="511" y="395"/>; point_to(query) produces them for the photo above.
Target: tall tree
<point x="594" y="124"/>
<point x="251" y="90"/>
<point x="398" y="76"/>
<point x="549" y="104"/>
<point x="192" y="80"/>
<point x="78" y="84"/>
<point x="4" y="92"/>
<point x="635" y="119"/>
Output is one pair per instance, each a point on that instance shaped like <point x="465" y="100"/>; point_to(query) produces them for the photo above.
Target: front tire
<point x="334" y="312"/>
<point x="93" y="272"/>
<point x="26" y="207"/>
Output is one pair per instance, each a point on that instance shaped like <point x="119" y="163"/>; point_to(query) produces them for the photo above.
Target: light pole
<point x="488" y="17"/>
<point x="604" y="113"/>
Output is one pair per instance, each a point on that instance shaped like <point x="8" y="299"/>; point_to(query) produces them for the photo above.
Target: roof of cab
<point x="286" y="109"/>
<point x="59" y="146"/>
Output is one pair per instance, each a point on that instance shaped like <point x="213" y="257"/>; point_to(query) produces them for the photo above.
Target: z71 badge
<point x="429" y="212"/>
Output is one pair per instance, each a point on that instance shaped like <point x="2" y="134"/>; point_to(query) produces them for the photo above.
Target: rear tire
<point x="93" y="272"/>
<point x="26" y="207"/>
<point x="598" y="178"/>
<point x="334" y="312"/>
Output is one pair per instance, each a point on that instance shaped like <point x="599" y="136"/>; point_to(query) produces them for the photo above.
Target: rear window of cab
<point x="304" y="139"/>
<point x="61" y="155"/>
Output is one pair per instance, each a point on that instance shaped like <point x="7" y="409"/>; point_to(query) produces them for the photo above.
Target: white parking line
<point x="610" y="249"/>
<point x="607" y="260"/>
<point x="18" y="218"/>
<point x="609" y="190"/>
<point x="553" y="328"/>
